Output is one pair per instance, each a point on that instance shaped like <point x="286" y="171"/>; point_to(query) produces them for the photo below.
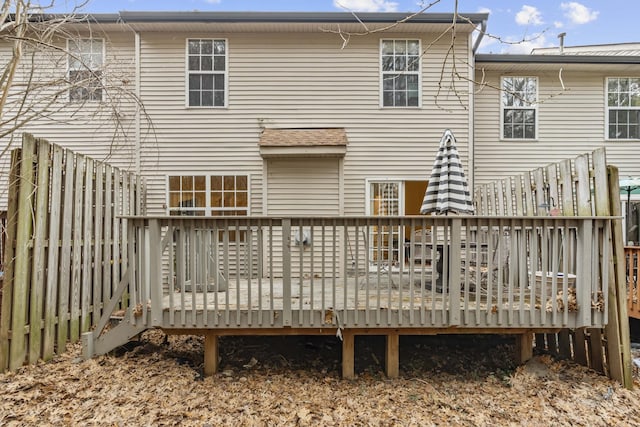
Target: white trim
<point x="207" y="209"/>
<point x="225" y="73"/>
<point x="606" y="109"/>
<point x="418" y="73"/>
<point x="265" y="187"/>
<point x="341" y="186"/>
<point x="533" y="106"/>
<point x="399" y="181"/>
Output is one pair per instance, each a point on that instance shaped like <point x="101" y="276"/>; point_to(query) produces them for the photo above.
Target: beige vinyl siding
<point x="295" y="80"/>
<point x="304" y="187"/>
<point x="87" y="128"/>
<point x="300" y="186"/>
<point x="570" y="122"/>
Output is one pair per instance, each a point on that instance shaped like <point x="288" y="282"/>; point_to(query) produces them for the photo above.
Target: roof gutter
<point x="483" y="30"/>
<point x="556" y="59"/>
<point x="298" y="17"/>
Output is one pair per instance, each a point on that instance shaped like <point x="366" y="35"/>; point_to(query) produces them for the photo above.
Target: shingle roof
<point x="309" y="137"/>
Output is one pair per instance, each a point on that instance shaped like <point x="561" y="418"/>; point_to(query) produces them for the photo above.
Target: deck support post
<point x="210" y="353"/>
<point x="392" y="355"/>
<point x="524" y="347"/>
<point x="88" y="349"/>
<point x="155" y="271"/>
<point x="348" y="355"/>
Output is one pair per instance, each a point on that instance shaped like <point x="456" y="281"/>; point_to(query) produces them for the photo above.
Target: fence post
<point x="155" y="272"/>
<point x="9" y="260"/>
<point x="617" y="329"/>
<point x="286" y="272"/>
<point x="41" y="211"/>
<point x="18" y="350"/>
<point x="583" y="273"/>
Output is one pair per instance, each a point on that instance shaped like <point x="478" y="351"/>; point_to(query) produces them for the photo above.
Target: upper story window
<point x="400" y="73"/>
<point x="623" y="108"/>
<point x="207" y="72"/>
<point x="86" y="59"/>
<point x="519" y="107"/>
<point x="200" y="195"/>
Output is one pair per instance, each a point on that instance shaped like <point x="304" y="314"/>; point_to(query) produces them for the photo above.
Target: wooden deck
<point x="486" y="274"/>
<point x="364" y="302"/>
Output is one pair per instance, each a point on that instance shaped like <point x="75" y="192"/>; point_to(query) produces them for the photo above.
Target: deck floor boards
<point x="319" y="294"/>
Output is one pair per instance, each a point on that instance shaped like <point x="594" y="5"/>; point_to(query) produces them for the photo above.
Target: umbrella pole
<point x="626" y="221"/>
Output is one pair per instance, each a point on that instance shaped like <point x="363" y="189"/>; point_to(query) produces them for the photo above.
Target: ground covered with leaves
<point x="445" y="380"/>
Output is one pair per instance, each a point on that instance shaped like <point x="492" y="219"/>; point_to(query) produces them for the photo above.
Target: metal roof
<point x="614" y="49"/>
<point x="556" y="59"/>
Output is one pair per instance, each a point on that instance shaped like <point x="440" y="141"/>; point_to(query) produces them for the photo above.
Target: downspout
<point x="483" y="30"/>
<point x="472" y="106"/>
<point x="137" y="142"/>
<point x="470" y="143"/>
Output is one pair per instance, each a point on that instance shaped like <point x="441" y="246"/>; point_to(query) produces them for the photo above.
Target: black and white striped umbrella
<point x="447" y="191"/>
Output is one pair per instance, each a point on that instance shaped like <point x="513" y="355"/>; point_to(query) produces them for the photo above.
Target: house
<point x="285" y="122"/>
<point x="266" y="113"/>
<point x="355" y="113"/>
<point x="587" y="97"/>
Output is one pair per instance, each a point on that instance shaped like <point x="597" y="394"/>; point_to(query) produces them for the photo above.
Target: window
<point x="200" y="195"/>
<point x="400" y="69"/>
<point x="519" y="108"/>
<point x="86" y="59"/>
<point x="207" y="72"/>
<point x="623" y="108"/>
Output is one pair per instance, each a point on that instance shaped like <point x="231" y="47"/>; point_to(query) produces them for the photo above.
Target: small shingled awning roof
<point x="307" y="142"/>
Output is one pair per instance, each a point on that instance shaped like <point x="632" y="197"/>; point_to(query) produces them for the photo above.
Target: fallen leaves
<point x="461" y="380"/>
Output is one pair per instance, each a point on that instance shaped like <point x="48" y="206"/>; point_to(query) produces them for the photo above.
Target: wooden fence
<point x="585" y="186"/>
<point x="66" y="247"/>
<point x="3" y="239"/>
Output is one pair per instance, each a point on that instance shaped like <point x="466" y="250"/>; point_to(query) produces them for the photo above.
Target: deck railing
<point x="261" y="272"/>
<point x="632" y="259"/>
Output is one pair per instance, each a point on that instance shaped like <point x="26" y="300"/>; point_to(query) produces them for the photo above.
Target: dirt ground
<point x="463" y="380"/>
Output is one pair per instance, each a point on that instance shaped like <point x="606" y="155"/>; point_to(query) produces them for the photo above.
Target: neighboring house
<point x="625" y="49"/>
<point x="535" y="109"/>
<point x="295" y="113"/>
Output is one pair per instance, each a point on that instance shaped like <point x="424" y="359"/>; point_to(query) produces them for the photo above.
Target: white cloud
<point x="525" y="47"/>
<point x="529" y="15"/>
<point x="558" y="24"/>
<point x="578" y="13"/>
<point x="484" y="10"/>
<point x="367" y="5"/>
<point x="213" y="1"/>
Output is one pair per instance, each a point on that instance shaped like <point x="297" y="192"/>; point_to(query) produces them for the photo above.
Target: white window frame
<point x="533" y="106"/>
<point x="608" y="108"/>
<point x="370" y="181"/>
<point x="399" y="231"/>
<point x="85" y="67"/>
<point x="417" y="73"/>
<point x="208" y="209"/>
<point x="224" y="73"/>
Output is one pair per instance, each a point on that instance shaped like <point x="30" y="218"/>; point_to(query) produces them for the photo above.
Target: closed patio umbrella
<point x="447" y="190"/>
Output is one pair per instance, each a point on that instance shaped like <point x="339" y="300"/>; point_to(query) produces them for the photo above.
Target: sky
<point x="515" y="26"/>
